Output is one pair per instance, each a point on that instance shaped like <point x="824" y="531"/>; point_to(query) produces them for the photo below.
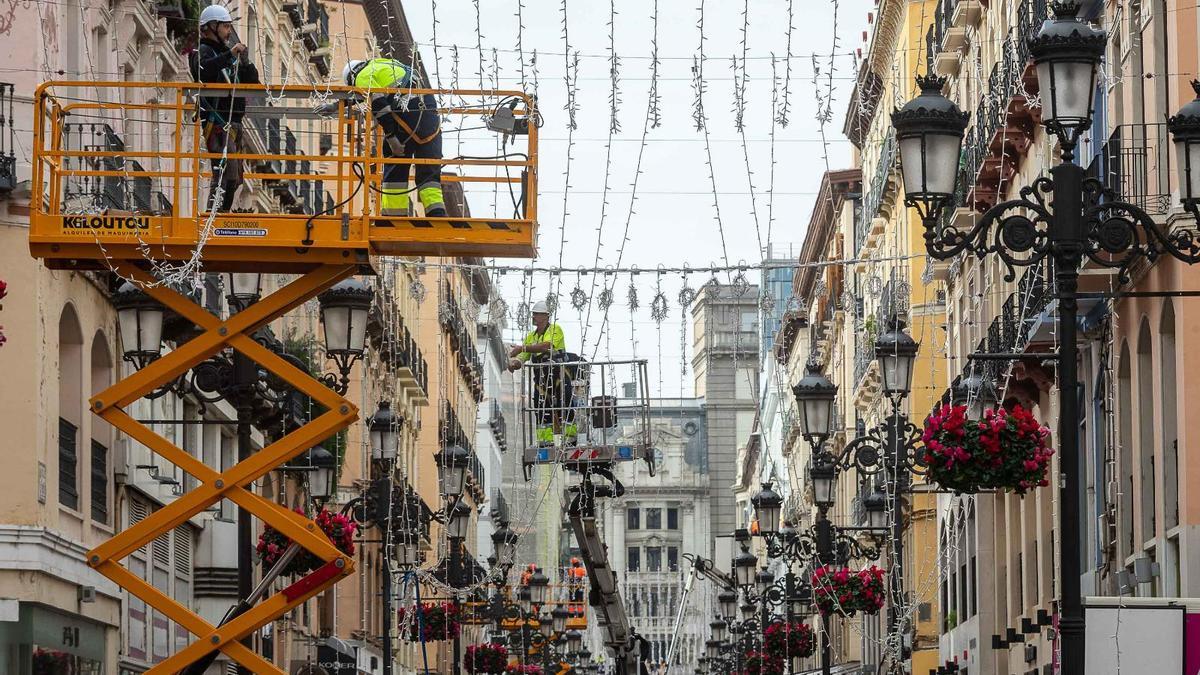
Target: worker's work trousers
<point x="552" y="398"/>
<point x="413" y="132"/>
<point x="222" y="139"/>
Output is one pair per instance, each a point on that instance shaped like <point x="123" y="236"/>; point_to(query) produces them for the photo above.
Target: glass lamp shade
<point x="452" y="465"/>
<point x="822" y="477"/>
<point x="1185" y="130"/>
<point x="560" y="615"/>
<point x="875" y="504"/>
<point x="929" y="132"/>
<point x="763" y="580"/>
<point x="585" y="655"/>
<point x="719" y="629"/>
<point x="977" y="393"/>
<point x="459" y="520"/>
<point x="727" y="602"/>
<point x="320" y="479"/>
<point x="574" y="641"/>
<point x="712" y="648"/>
<point x="767" y="507"/>
<point x="539" y="587"/>
<point x="242" y="288"/>
<point x="896" y="351"/>
<point x="504" y="543"/>
<point x="545" y="625"/>
<point x="1067" y="53"/>
<point x="407" y="552"/>
<point x="384" y="426"/>
<point x="344" y="309"/>
<point x="140" y="320"/>
<point x="815" y="395"/>
<point x="748" y="609"/>
<point x="744" y="564"/>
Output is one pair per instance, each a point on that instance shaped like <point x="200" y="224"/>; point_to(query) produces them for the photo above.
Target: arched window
<point x="1146" y="421"/>
<point x="70" y="406"/>
<point x="102" y="433"/>
<point x="1170" y="416"/>
<point x="1124" y="475"/>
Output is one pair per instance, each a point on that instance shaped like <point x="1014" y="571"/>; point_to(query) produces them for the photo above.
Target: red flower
<point x="1006" y="450"/>
<point x="490" y="659"/>
<point x="272" y="544"/>
<point x="847" y="592"/>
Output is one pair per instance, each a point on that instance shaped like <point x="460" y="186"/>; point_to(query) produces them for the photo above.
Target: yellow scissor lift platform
<point x="85" y="220"/>
<point x="79" y="162"/>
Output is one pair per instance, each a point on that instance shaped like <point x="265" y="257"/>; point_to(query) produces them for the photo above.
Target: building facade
<point x="658" y="524"/>
<point x="726" y="373"/>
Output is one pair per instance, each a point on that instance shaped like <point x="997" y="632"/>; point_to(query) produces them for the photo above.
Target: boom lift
<point x="559" y="393"/>
<point x="323" y="242"/>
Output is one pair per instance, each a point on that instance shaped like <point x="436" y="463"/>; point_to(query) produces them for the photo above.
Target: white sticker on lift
<point x="239" y="232"/>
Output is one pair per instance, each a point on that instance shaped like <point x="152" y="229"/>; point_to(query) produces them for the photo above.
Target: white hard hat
<point x="215" y="13"/>
<point x="351" y="70"/>
<point x="540" y="307"/>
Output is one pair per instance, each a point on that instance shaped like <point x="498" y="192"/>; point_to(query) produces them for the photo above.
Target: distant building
<point x="660" y="519"/>
<point x="726" y="369"/>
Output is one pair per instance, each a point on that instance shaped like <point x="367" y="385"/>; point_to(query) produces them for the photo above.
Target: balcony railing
<point x="878" y="190"/>
<point x="1134" y="163"/>
<point x="1011" y="329"/>
<point x="996" y="112"/>
<point x="8" y="139"/>
<point x="499" y="426"/>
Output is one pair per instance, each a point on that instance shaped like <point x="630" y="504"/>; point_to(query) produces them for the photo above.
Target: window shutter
<point x="99" y="482"/>
<point x="68" y="458"/>
<point x="183" y="551"/>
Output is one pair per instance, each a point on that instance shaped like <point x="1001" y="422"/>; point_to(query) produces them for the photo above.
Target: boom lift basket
<point x="573" y="418"/>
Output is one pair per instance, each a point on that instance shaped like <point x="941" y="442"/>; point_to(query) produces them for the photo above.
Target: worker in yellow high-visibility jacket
<point x="412" y="128"/>
<point x="552" y="385"/>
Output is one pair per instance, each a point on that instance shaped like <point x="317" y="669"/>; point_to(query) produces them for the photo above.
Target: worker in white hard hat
<point x="221" y="58"/>
<point x="545" y="345"/>
<point x="412" y="128"/>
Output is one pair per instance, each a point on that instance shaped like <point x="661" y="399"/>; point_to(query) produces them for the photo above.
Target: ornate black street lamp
<point x="1064" y="217"/>
<point x="344" y="310"/>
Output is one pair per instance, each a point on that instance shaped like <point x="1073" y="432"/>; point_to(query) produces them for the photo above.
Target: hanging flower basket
<point x="1006" y="450"/>
<point x="272" y="544"/>
<point x="762" y="663"/>
<point x="429" y="622"/>
<point x="789" y="639"/>
<point x="486" y="659"/>
<point x="518" y="669"/>
<point x="844" y="591"/>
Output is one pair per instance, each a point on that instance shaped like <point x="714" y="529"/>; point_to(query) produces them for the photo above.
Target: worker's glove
<point x="326" y="109"/>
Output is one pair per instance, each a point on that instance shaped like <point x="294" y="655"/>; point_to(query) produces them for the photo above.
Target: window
<point x="633" y="559"/>
<point x="672" y="519"/>
<point x="99" y="482"/>
<point x="653" y="519"/>
<point x="633" y="519"/>
<point x="68" y="458"/>
<point x="673" y="558"/>
<point x="654" y="558"/>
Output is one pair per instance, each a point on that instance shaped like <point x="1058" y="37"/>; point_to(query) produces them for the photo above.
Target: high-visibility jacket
<point x="383" y="74"/>
<point x="553" y="335"/>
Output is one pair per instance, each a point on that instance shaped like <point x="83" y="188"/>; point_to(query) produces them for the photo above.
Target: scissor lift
<point x="323" y="245"/>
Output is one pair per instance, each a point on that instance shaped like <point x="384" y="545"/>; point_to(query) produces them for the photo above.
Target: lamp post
<point x="393" y="515"/>
<point x="1087" y="219"/>
<point x="245" y="374"/>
